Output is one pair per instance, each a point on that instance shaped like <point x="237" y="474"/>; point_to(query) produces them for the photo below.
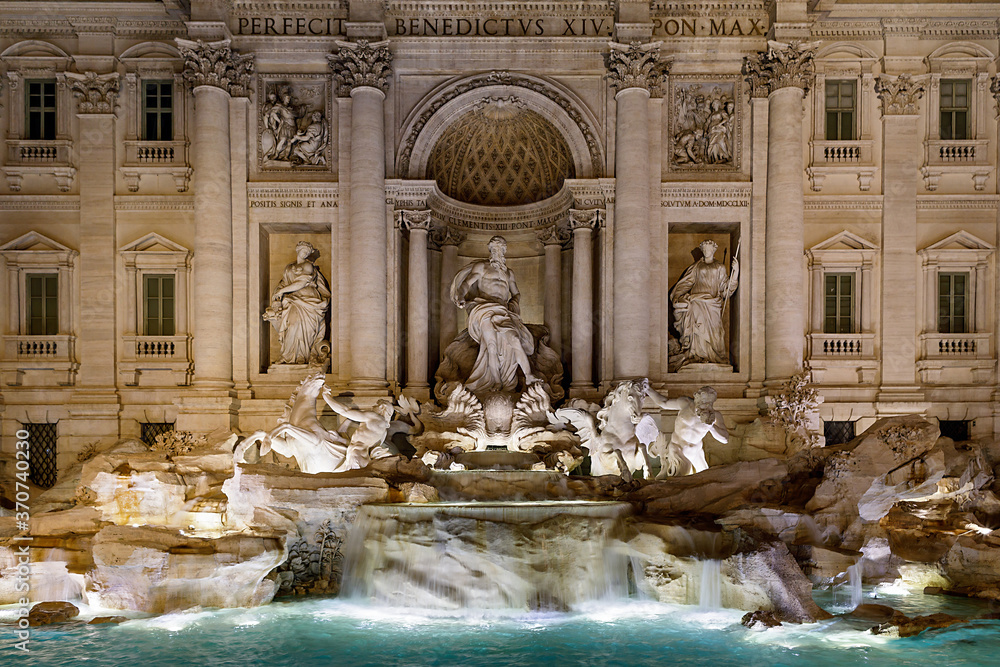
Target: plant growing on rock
<point x="793" y="407"/>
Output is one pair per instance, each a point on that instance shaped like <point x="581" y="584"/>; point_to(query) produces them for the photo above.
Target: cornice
<point x="154" y="203"/>
<point x="39" y="203"/>
<point x="264" y="190"/>
<point x="958" y="202"/>
<point x="846" y="203"/>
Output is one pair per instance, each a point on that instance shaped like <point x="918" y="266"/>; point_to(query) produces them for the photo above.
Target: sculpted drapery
<point x="298" y="310"/>
<point x="698" y="300"/>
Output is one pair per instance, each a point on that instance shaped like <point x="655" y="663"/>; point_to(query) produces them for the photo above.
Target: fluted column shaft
<point x="582" y="307"/>
<point x="213" y="245"/>
<point x="418" y="223"/>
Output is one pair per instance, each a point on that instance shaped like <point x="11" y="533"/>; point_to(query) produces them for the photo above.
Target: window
<point x="957" y="430"/>
<point x="40" y="102"/>
<point x="953" y="302"/>
<point x="149" y="431"/>
<point x="158" y="293"/>
<point x="42" y="292"/>
<point x="841" y="103"/>
<point x="838" y="303"/>
<point x="158" y="111"/>
<point x="42" y="466"/>
<point x="838" y="432"/>
<point x="955" y="109"/>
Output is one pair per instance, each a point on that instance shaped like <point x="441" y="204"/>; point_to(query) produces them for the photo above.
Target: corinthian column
<point x="419" y="225"/>
<point x="553" y="239"/>
<point x="900" y="164"/>
<point x="582" y="224"/>
<point x="785" y="72"/>
<point x="634" y="71"/>
<point x="216" y="73"/>
<point x="362" y="69"/>
<point x="449" y="240"/>
<point x="95" y="403"/>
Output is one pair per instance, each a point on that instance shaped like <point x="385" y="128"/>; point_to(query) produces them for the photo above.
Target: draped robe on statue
<point x="698" y="299"/>
<point x="302" y="319"/>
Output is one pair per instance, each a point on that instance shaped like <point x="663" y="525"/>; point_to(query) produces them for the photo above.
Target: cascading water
<point x="710" y="596"/>
<point x="545" y="555"/>
<point x="854" y="583"/>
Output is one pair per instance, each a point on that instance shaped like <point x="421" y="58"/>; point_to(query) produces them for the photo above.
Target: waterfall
<point x="710" y="595"/>
<point x="854" y="582"/>
<point x="544" y="555"/>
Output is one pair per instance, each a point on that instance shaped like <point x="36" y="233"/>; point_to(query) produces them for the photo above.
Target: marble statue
<point x="300" y="435"/>
<point x="611" y="436"/>
<point x="697" y="417"/>
<point x="298" y="311"/>
<point x="291" y="133"/>
<point x="698" y="300"/>
<point x="309" y="145"/>
<point x="486" y="289"/>
<point x="704" y="122"/>
<point x="280" y="119"/>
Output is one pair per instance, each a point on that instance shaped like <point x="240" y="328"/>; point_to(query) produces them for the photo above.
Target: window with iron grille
<point x="957" y="430"/>
<point x="42" y="454"/>
<point x="158" y="111"/>
<point x="838" y="432"/>
<point x="40" y="109"/>
<point x="838" y="306"/>
<point x="955" y="109"/>
<point x="953" y="302"/>
<point x="159" y="304"/>
<point x="42" y="292"/>
<point x="150" y="430"/>
<point x="841" y="104"/>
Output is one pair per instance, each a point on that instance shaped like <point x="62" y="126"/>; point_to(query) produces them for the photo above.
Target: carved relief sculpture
<point x="293" y="127"/>
<point x="994" y="88"/>
<point x="98" y="93"/>
<point x="298" y="311"/>
<point x="703" y="125"/>
<point x="698" y="301"/>
<point x="899" y="96"/>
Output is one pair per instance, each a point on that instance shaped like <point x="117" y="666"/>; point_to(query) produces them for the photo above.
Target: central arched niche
<point x="500" y="153"/>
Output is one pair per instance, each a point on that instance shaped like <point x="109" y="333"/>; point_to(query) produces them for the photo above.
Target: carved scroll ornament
<point x="98" y="93"/>
<point x="899" y="97"/>
<point x="781" y="66"/>
<point x="216" y="64"/>
<point x="361" y="64"/>
<point x="636" y="66"/>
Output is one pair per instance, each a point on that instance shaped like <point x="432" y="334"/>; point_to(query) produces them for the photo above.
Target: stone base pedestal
<point x="207" y="412"/>
<point x="705" y="368"/>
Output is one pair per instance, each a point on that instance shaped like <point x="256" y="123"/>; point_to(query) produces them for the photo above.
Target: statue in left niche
<point x="298" y="309"/>
<point x="292" y="133"/>
<point x="300" y="435"/>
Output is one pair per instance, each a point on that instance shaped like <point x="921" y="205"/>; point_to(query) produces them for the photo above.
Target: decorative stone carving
<point x="416" y="220"/>
<point x="553" y="235"/>
<point x="579" y="218"/>
<point x="442" y="235"/>
<point x="636" y="65"/>
<point x="361" y="64"/>
<point x="298" y="311"/>
<point x="995" y="89"/>
<point x="98" y="93"/>
<point x="697" y="417"/>
<point x="698" y="300"/>
<point x="781" y="66"/>
<point x="293" y="127"/>
<point x="795" y="410"/>
<point x="299" y="434"/>
<point x="503" y="79"/>
<point x="611" y="437"/>
<point x="899" y="97"/>
<point x="216" y="64"/>
<point x="703" y="125"/>
<point x="501" y="154"/>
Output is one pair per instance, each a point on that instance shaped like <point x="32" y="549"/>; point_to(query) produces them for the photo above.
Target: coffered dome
<point x="500" y="154"/>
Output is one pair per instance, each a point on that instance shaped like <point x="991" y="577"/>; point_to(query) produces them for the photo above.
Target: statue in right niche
<point x="699" y="300"/>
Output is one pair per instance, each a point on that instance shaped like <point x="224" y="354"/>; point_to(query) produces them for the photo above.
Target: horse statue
<point x="611" y="436"/>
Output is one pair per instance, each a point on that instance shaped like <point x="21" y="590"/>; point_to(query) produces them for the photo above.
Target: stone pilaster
<point x="362" y="69"/>
<point x="995" y="89"/>
<point x="582" y="224"/>
<point x="634" y="70"/>
<point x="419" y="225"/>
<point x="553" y="238"/>
<point x="216" y="73"/>
<point x="95" y="404"/>
<point x="901" y="147"/>
<point x="784" y="73"/>
<point x="449" y="240"/>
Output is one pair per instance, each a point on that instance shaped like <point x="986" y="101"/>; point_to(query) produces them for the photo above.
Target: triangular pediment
<point x="962" y="240"/>
<point x="34" y="242"/>
<point x="153" y="242"/>
<point x="845" y="240"/>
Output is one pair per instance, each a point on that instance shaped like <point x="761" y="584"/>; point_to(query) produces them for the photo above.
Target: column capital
<point x="588" y="219"/>
<point x="411" y="220"/>
<point x="98" y="93"/>
<point x="781" y="66"/>
<point x="899" y="96"/>
<point x="216" y="64"/>
<point x="361" y="64"/>
<point x="443" y="235"/>
<point x="636" y="65"/>
<point x="995" y="89"/>
<point x="553" y="235"/>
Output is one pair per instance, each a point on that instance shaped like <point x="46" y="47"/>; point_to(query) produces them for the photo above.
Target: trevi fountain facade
<point x="673" y="308"/>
